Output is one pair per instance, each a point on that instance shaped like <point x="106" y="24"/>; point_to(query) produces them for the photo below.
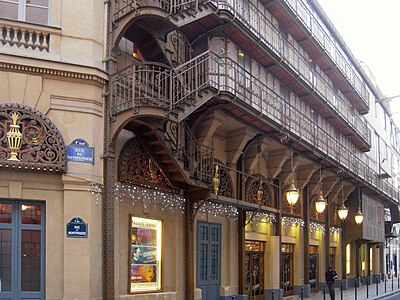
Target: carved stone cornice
<point x="52" y="72"/>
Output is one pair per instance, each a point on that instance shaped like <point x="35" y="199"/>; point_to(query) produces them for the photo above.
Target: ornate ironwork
<point x="333" y="215"/>
<point x="225" y="182"/>
<point x="259" y="191"/>
<point x="42" y="146"/>
<point x="137" y="167"/>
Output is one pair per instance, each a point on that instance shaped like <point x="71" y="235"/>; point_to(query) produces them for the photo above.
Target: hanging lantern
<point x="320" y="203"/>
<point x="14" y="138"/>
<point x="292" y="193"/>
<point x="343" y="211"/>
<point x="359" y="217"/>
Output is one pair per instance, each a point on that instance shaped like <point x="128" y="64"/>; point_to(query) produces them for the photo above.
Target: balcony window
<point x="33" y="11"/>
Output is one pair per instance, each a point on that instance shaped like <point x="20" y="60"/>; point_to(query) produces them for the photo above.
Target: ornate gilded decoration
<point x="259" y="191"/>
<point x="225" y="187"/>
<point x="40" y="144"/>
<point x="137" y="167"/>
<point x="333" y="216"/>
<point x="216" y="180"/>
<point x="14" y="137"/>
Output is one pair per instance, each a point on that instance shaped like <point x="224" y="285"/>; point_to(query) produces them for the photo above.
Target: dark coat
<point x="330" y="276"/>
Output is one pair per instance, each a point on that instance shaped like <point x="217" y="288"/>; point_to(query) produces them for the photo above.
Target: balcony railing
<point x="248" y="14"/>
<point x="315" y="29"/>
<point x="226" y="76"/>
<point x="24" y="37"/>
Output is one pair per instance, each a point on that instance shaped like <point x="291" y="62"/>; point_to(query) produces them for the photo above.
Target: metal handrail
<point x="316" y="31"/>
<point x="259" y="24"/>
<point x="225" y="75"/>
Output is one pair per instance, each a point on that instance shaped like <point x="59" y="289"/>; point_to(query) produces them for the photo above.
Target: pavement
<point x="373" y="292"/>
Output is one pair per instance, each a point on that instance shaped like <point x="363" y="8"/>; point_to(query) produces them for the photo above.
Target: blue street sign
<point x="77" y="228"/>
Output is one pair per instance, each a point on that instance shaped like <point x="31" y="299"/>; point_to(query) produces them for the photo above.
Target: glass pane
<point x="203" y="261"/>
<point x="9" y="10"/>
<point x="5" y="209"/>
<point x="31" y="214"/>
<point x="5" y="260"/>
<point x="203" y="233"/>
<point x="214" y="234"/>
<point x="214" y="262"/>
<point x="44" y="3"/>
<point x="30" y="260"/>
<point x="36" y="15"/>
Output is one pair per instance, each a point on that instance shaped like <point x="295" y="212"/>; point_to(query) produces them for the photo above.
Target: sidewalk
<point x="349" y="294"/>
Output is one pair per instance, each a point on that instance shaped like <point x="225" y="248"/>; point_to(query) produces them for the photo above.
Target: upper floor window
<point x="34" y="11"/>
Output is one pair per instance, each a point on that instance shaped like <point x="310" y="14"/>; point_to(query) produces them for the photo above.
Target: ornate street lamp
<point x="320" y="202"/>
<point x="292" y="193"/>
<point x="343" y="211"/>
<point x="359" y="217"/>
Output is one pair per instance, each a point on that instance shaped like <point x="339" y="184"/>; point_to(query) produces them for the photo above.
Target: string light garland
<point x="292" y="221"/>
<point x="334" y="229"/>
<point x="97" y="190"/>
<point x="314" y="226"/>
<point x="260" y="217"/>
<point x="219" y="210"/>
<point x="150" y="197"/>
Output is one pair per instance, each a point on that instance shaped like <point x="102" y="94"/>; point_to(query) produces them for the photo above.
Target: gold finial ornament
<point x="14" y="137"/>
<point x="216" y="180"/>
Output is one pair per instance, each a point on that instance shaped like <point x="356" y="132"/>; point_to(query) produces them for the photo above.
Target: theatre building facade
<point x="188" y="150"/>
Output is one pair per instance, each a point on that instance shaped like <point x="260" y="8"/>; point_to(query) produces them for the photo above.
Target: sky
<point x="371" y="29"/>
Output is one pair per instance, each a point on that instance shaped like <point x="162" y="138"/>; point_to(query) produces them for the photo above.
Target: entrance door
<point x="255" y="270"/>
<point x="21" y="250"/>
<point x="287" y="269"/>
<point x="209" y="259"/>
<point x="313" y="268"/>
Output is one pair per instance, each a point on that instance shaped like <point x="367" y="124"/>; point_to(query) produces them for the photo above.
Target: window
<point x="22" y="250"/>
<point x="34" y="11"/>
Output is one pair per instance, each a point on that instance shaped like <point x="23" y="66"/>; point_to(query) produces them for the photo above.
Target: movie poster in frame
<point x="145" y="255"/>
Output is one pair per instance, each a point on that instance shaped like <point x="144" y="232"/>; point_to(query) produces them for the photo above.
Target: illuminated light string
<point x="314" y="226"/>
<point x="334" y="229"/>
<point x="292" y="221"/>
<point x="260" y="217"/>
<point x="97" y="190"/>
<point x="150" y="197"/>
<point x="218" y="210"/>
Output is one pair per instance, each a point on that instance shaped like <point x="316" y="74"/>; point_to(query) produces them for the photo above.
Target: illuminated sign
<point x="145" y="255"/>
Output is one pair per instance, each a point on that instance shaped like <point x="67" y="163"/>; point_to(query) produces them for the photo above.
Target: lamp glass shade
<point x="320" y="204"/>
<point x="343" y="211"/>
<point x="358" y="217"/>
<point x="292" y="194"/>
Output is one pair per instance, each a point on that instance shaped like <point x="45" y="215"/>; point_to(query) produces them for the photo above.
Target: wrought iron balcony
<point x="174" y="89"/>
<point x="316" y="31"/>
<point x="267" y="33"/>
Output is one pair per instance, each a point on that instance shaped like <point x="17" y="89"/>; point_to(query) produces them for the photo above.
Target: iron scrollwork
<point x="42" y="146"/>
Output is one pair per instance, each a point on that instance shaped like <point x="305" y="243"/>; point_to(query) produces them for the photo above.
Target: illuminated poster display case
<point x="145" y="251"/>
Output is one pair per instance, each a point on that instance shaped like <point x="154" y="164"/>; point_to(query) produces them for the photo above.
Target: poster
<point x="145" y="255"/>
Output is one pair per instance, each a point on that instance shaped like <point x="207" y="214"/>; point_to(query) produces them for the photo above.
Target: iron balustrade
<point x="197" y="159"/>
<point x="307" y="18"/>
<point x="259" y="25"/>
<point x="223" y="75"/>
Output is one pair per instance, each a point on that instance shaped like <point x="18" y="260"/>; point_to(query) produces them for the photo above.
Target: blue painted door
<point x="209" y="259"/>
<point x="21" y="250"/>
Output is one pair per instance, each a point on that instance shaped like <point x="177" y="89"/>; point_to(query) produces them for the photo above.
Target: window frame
<point x="22" y="8"/>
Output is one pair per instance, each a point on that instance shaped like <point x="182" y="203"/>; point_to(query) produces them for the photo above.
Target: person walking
<point x="330" y="277"/>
